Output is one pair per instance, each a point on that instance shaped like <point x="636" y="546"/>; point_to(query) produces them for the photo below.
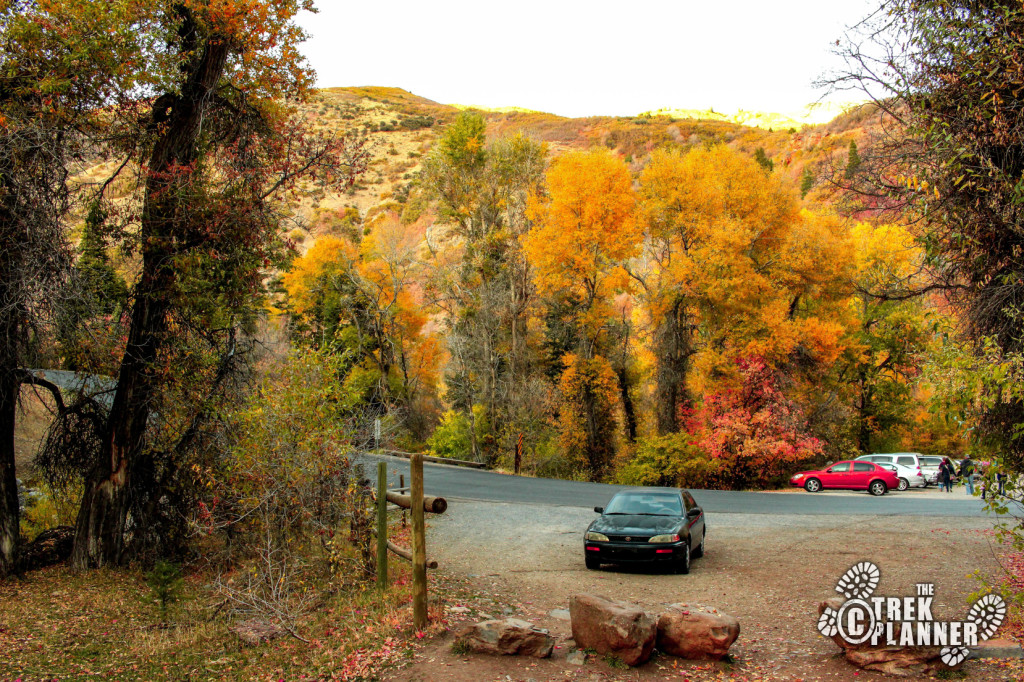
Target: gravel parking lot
<point x="770" y="571"/>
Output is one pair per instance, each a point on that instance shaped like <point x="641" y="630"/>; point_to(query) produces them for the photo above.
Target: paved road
<point x="473" y="484"/>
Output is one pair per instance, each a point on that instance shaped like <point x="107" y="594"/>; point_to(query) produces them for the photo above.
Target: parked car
<point x="647" y="525"/>
<point x="910" y="476"/>
<point x="930" y="468"/>
<point x="850" y="475"/>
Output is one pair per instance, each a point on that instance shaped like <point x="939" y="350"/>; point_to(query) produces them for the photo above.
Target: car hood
<point x="635" y="524"/>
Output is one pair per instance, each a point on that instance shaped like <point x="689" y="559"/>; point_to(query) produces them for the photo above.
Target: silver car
<point x="907" y="466"/>
<point x="930" y="468"/>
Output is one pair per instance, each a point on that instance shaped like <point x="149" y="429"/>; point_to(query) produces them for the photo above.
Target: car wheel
<point x="683" y="560"/>
<point x="699" y="552"/>
<point x="812" y="485"/>
<point x="878" y="488"/>
<point x="593" y="563"/>
<point x="904" y="484"/>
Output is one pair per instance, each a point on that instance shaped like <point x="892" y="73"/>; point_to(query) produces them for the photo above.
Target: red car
<point x="848" y="476"/>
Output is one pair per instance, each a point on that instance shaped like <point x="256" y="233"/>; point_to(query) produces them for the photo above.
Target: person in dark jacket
<point x="946" y="474"/>
<point x="967" y="473"/>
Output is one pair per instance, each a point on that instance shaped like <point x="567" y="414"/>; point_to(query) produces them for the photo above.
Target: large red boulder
<point x="510" y="637"/>
<point x="612" y="627"/>
<point x="696" y="632"/>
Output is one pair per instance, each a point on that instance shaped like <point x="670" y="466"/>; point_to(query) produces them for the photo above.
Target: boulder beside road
<point x="612" y="627"/>
<point x="508" y="637"/>
<point x="696" y="632"/>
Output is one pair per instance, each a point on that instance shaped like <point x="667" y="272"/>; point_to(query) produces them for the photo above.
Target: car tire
<point x="592" y="563"/>
<point x="682" y="565"/>
<point x="699" y="552"/>
<point x="812" y="485"/>
<point x="878" y="488"/>
<point x="904" y="484"/>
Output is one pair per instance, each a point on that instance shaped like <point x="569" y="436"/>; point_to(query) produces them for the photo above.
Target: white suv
<point x="907" y="465"/>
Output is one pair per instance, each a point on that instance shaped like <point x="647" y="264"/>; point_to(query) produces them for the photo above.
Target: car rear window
<point x="931" y="461"/>
<point x="657" y="504"/>
<point x="906" y="461"/>
<point x="863" y="466"/>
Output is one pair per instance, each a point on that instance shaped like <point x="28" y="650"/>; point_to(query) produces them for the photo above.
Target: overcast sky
<point x="579" y="58"/>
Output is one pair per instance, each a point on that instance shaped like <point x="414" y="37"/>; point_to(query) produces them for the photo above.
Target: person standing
<point x="946" y="474"/>
<point x="967" y="472"/>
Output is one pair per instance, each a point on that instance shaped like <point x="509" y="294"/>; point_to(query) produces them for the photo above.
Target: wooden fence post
<point x="382" y="525"/>
<point x="419" y="549"/>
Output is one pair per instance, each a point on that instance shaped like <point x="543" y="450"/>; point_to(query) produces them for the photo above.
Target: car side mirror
<point x="599" y="510"/>
<point x="828" y="471"/>
<point x="694" y="511"/>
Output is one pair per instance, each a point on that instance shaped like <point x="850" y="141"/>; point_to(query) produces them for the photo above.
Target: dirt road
<point x="769" y="571"/>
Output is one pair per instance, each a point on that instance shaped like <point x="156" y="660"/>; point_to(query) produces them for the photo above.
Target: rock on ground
<point x="507" y="637"/>
<point x="612" y="627"/>
<point x="253" y="632"/>
<point x="696" y="632"/>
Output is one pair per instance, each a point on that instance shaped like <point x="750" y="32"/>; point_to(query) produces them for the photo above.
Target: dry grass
<point x="59" y="624"/>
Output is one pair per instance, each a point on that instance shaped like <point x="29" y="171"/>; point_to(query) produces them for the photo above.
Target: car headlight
<point x="595" y="537"/>
<point x="664" y="538"/>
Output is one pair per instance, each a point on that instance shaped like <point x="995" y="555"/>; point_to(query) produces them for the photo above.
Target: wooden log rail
<point x="436" y="460"/>
<point x="434" y="505"/>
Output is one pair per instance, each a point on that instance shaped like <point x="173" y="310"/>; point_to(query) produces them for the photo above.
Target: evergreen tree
<point x="853" y="161"/>
<point x="806" y="182"/>
<point x="763" y="160"/>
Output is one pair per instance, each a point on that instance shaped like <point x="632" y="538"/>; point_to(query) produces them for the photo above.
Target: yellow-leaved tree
<point x="733" y="268"/>
<point x="584" y="229"/>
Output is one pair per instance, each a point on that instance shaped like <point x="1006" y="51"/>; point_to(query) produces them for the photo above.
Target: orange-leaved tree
<point x="584" y="229"/>
<point x="733" y="268"/>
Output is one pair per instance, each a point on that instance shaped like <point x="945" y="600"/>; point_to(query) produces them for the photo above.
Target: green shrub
<point x="165" y="581"/>
<point x="48" y="510"/>
<point x="452" y="439"/>
<point x="672" y="460"/>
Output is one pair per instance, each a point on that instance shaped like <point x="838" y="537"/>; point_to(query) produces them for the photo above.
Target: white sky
<point x="580" y="58"/>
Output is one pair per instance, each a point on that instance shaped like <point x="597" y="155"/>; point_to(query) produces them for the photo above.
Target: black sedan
<point x="662" y="525"/>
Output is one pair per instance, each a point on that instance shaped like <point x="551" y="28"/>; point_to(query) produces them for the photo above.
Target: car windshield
<point x="648" y="504"/>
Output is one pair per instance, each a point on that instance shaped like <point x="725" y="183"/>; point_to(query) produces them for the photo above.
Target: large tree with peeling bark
<point x="59" y="62"/>
<point x="217" y="149"/>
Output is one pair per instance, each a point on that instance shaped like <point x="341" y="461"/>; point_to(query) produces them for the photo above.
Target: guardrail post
<point x="419" y="549"/>
<point x="382" y="525"/>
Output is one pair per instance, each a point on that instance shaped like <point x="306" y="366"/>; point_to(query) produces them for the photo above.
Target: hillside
<point x="402" y="128"/>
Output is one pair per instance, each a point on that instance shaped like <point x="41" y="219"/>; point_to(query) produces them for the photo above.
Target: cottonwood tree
<point x="732" y="266"/>
<point x="59" y="63"/>
<point x="946" y="76"/>
<point x="584" y="229"/>
<point x="217" y="146"/>
<point x="481" y="279"/>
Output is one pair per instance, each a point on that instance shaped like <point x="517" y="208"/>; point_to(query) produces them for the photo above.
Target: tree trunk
<point x="102" y="519"/>
<point x="9" y="386"/>
<point x="9" y="518"/>
<point x="629" y="413"/>
<point x="673" y="348"/>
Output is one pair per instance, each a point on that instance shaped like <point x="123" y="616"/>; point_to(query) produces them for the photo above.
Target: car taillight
<point x="918" y="471"/>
